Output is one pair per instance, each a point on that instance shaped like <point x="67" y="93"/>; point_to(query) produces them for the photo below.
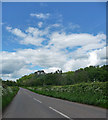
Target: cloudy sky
<point x="51" y="36"/>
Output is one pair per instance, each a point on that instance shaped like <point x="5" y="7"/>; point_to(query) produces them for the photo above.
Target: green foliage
<point x="94" y="93"/>
<point x="7" y="95"/>
<point x="88" y="74"/>
<point x="8" y="83"/>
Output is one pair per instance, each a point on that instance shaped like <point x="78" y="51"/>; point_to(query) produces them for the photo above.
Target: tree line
<point x="88" y="74"/>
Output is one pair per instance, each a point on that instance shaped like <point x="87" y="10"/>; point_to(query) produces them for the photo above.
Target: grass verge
<point x="87" y="93"/>
<point x="7" y="95"/>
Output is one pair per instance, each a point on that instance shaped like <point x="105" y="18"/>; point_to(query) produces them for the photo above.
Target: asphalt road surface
<point x="27" y="104"/>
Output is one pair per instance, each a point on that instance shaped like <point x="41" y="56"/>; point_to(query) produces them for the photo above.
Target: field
<point x="8" y="94"/>
<point x="94" y="93"/>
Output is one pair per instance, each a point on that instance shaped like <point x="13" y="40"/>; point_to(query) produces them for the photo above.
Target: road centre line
<point x="60" y="113"/>
<point x="37" y="100"/>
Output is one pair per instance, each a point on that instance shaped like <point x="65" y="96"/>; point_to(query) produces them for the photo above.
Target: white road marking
<point x="59" y="112"/>
<point x="37" y="100"/>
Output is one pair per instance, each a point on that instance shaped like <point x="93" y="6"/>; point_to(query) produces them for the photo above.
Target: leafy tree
<point x="88" y="74"/>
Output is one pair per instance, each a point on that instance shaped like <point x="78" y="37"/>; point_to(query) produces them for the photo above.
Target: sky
<point x="51" y="36"/>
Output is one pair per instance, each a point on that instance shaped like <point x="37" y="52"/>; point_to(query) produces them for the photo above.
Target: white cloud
<point x="52" y="69"/>
<point x="40" y="15"/>
<point x="86" y="41"/>
<point x="56" y="25"/>
<point x="8" y="28"/>
<point x="18" y="63"/>
<point x="74" y="64"/>
<point x="42" y="57"/>
<point x="21" y="72"/>
<point x="102" y="55"/>
<point x="17" y="74"/>
<point x="93" y="60"/>
<point x="40" y="24"/>
<point x="31" y="36"/>
<point x="61" y="40"/>
<point x="16" y="32"/>
<point x="63" y="51"/>
<point x="11" y="62"/>
<point x="96" y="57"/>
<point x="73" y="26"/>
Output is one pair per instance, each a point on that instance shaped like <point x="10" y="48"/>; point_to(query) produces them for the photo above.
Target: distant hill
<point x="88" y="74"/>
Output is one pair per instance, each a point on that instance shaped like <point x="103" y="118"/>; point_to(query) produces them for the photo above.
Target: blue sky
<point x="54" y="35"/>
<point x="90" y="17"/>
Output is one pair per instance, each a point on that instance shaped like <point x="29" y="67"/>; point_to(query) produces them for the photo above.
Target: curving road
<point x="27" y="104"/>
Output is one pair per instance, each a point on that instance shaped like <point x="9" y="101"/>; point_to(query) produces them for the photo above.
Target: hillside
<point x="88" y="74"/>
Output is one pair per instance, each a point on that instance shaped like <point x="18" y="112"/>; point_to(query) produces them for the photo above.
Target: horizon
<point x="53" y="72"/>
<point x="37" y="36"/>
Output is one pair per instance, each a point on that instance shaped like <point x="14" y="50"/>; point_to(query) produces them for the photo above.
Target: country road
<point x="27" y="104"/>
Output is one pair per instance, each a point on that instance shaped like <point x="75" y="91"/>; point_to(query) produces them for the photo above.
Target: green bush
<point x="94" y="93"/>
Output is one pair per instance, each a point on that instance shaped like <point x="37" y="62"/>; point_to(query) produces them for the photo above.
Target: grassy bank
<point x="88" y="93"/>
<point x="7" y="95"/>
<point x="0" y="97"/>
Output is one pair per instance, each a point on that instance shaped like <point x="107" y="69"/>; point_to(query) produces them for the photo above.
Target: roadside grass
<point x="0" y="97"/>
<point x="8" y="94"/>
<point x="94" y="93"/>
